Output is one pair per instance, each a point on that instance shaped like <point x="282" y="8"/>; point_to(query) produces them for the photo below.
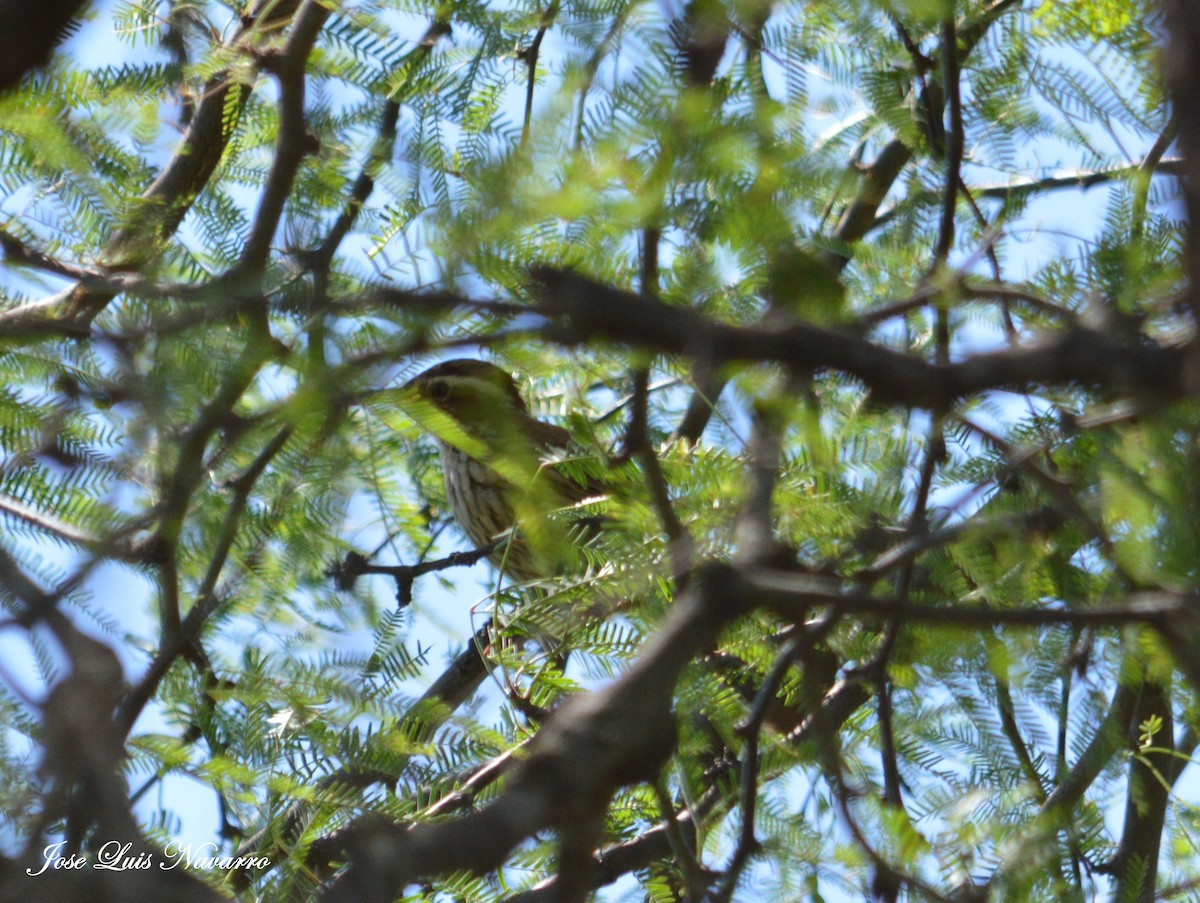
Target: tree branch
<point x="29" y="33"/>
<point x="584" y="311"/>
<point x="593" y="744"/>
<point x="292" y="141"/>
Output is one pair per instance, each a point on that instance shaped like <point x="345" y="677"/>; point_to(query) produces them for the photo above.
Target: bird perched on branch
<point x="504" y="470"/>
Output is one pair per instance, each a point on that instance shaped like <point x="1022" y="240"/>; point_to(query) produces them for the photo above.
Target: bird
<point x="504" y="469"/>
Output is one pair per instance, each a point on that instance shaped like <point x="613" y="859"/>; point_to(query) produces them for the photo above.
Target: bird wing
<point x="574" y="472"/>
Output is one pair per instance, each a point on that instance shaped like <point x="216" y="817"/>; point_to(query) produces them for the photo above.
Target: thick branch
<point x="594" y="744"/>
<point x="584" y="311"/>
<point x="1135" y="866"/>
<point x="29" y="33"/>
<point x="156" y="215"/>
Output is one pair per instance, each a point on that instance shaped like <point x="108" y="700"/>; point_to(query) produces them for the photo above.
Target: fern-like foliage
<point x="955" y="655"/>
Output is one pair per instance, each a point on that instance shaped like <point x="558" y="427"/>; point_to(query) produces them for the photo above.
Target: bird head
<point x="475" y="407"/>
<point x="467" y="389"/>
<point x="480" y="397"/>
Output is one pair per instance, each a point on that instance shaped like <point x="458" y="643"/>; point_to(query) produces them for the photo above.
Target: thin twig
<point x="530" y="54"/>
<point x="685" y="857"/>
<point x="751" y="730"/>
<point x="355" y="565"/>
<point x="954" y="141"/>
<point x="187" y="633"/>
<point x="1149" y="165"/>
<point x="292" y="142"/>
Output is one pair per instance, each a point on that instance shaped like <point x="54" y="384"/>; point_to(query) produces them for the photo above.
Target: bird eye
<point x="439" y="391"/>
